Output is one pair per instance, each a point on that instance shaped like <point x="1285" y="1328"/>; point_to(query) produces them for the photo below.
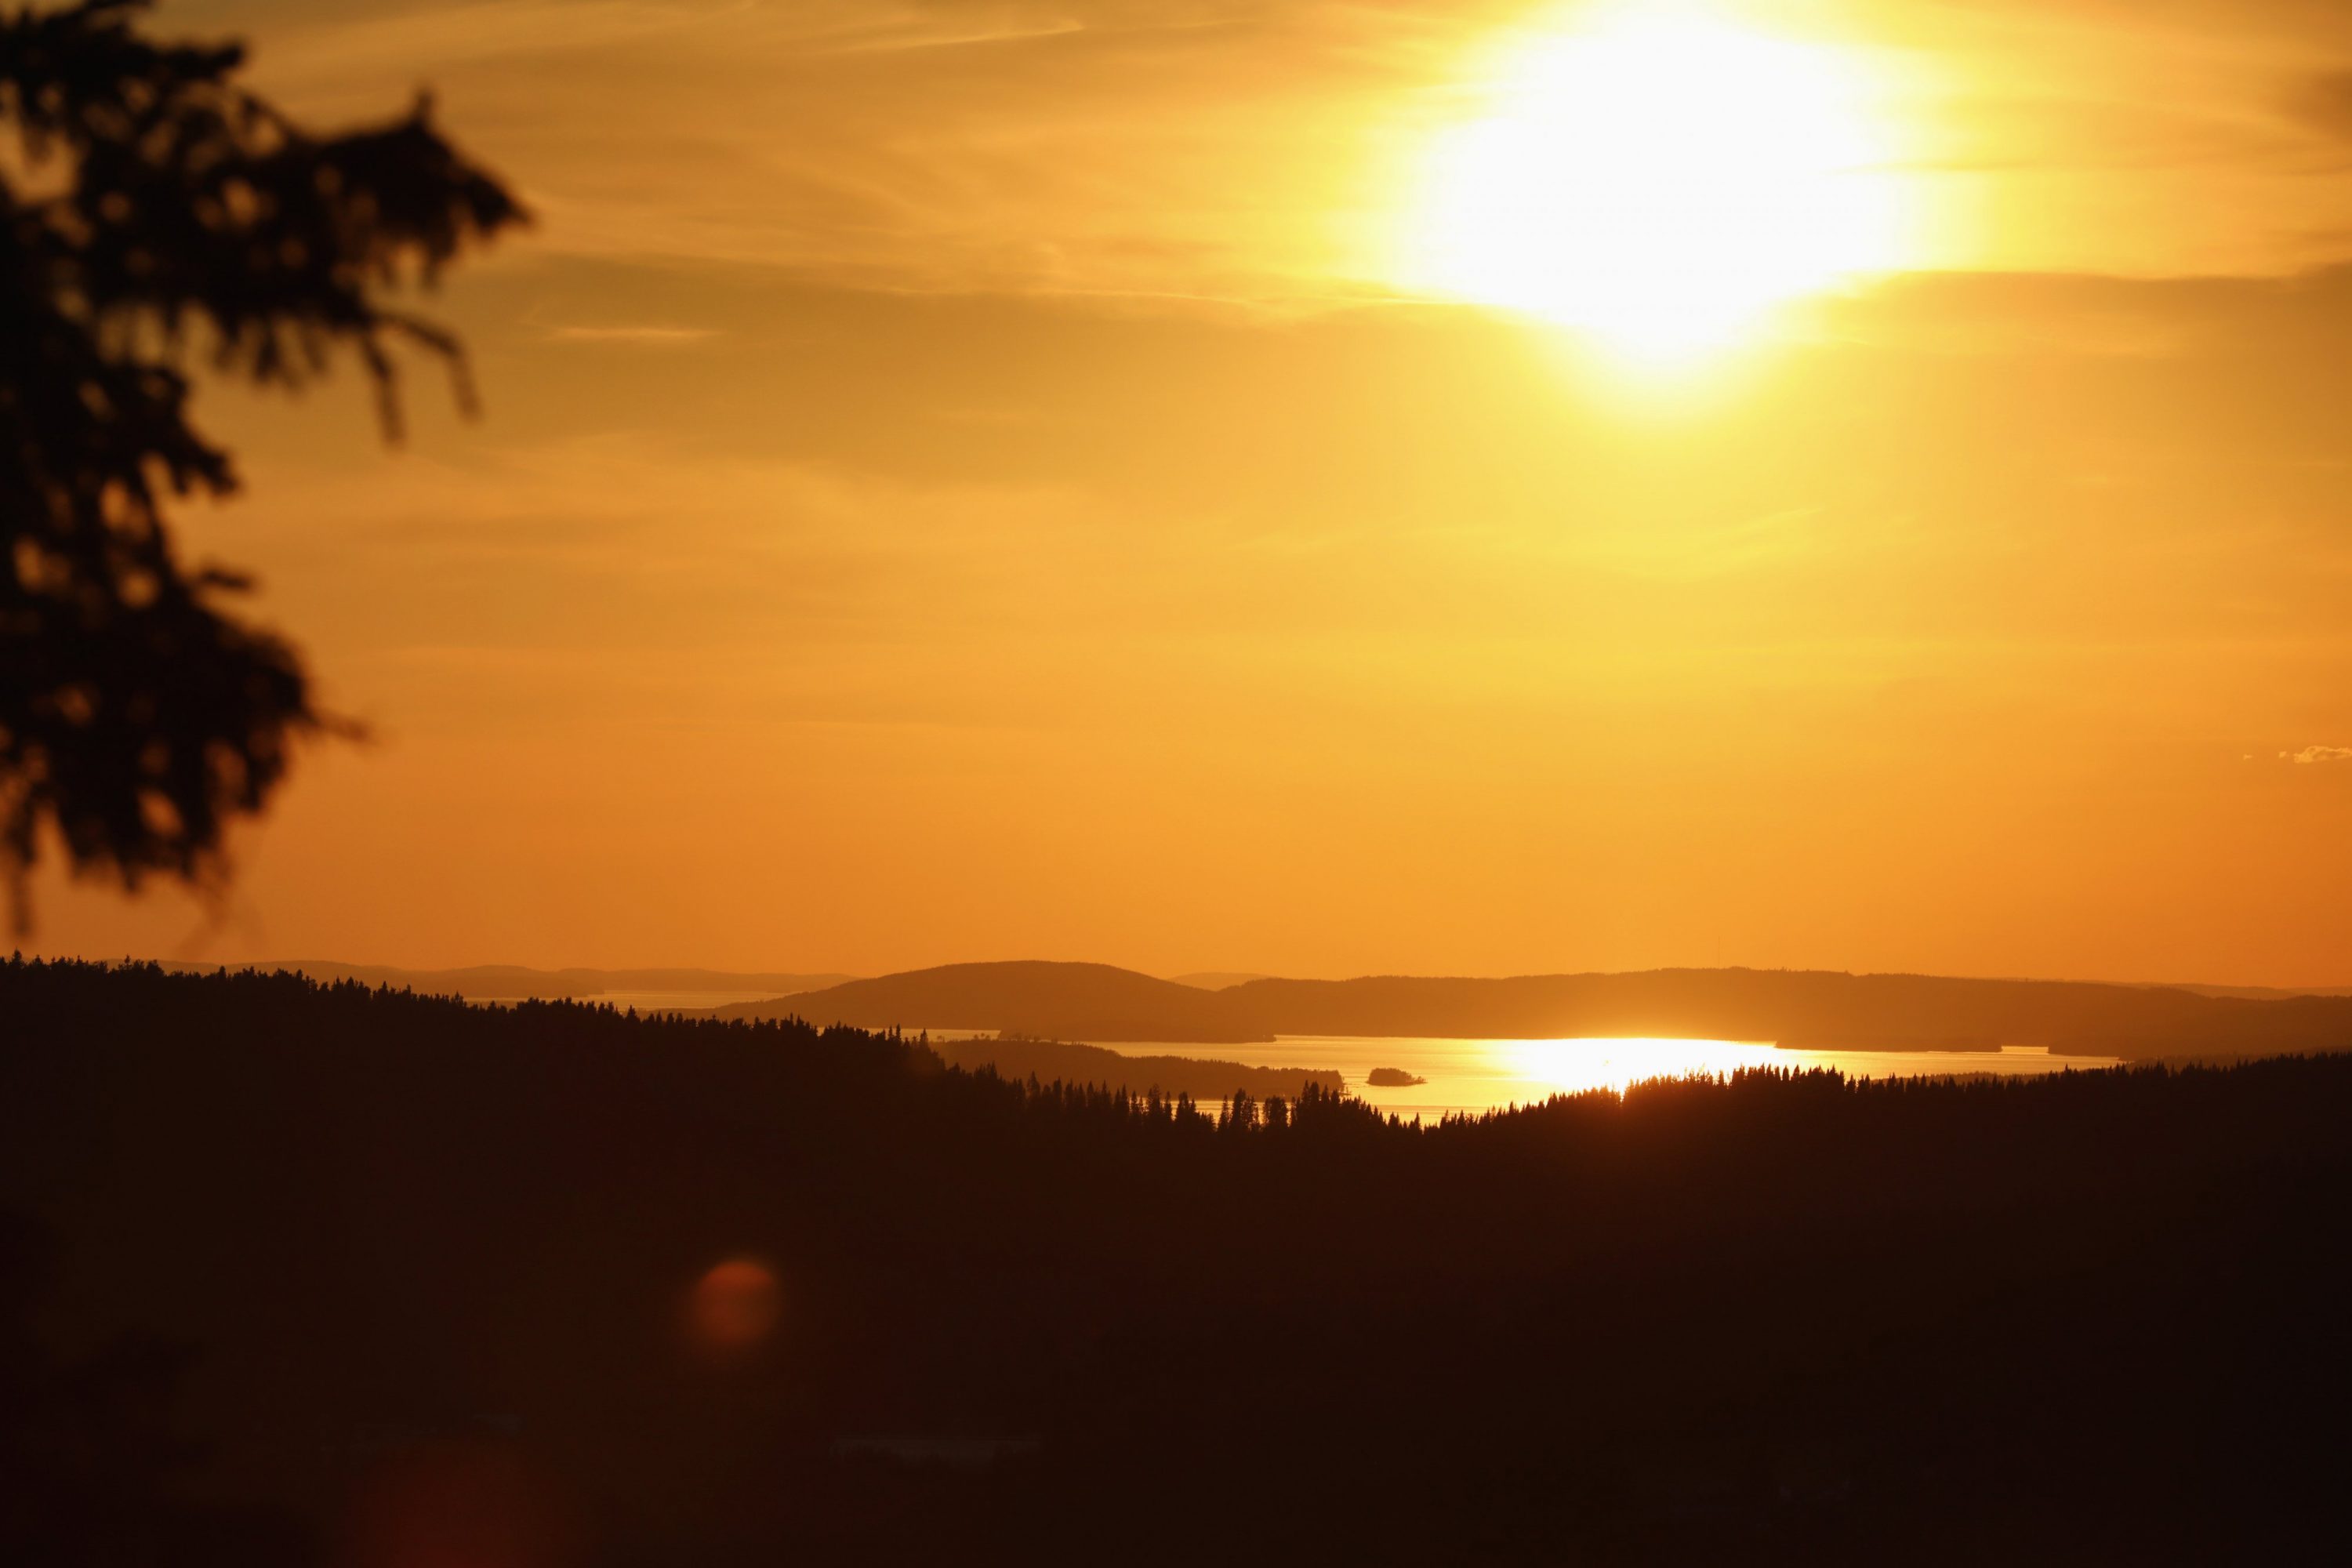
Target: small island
<point x="1392" y="1077"/>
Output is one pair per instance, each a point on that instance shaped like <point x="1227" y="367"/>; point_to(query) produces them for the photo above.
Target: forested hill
<point x="413" y="1244"/>
<point x="1051" y="1001"/>
<point x="509" y="981"/>
<point x="404" y="1243"/>
<point x="1059" y="1061"/>
<point x="1794" y="1008"/>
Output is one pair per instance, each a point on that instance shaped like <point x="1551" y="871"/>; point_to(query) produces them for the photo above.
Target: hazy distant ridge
<point x="1794" y="1007"/>
<point x="1056" y="1001"/>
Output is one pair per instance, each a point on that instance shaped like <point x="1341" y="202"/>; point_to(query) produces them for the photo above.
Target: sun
<point x="1660" y="178"/>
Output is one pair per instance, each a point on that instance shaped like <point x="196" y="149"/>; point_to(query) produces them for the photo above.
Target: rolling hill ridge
<point x="1811" y="1008"/>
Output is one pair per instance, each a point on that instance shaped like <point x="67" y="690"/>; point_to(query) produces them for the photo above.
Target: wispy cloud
<point x="2318" y="754"/>
<point x="644" y="335"/>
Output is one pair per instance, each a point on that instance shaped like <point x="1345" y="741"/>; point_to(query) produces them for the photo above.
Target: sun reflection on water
<point x="1571" y="1065"/>
<point x="1458" y="1075"/>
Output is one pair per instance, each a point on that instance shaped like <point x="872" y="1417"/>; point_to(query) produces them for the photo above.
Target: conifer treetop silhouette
<point x="151" y="205"/>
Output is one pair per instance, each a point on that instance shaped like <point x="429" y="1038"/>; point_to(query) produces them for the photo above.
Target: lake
<point x="1486" y="1075"/>
<point x="1476" y="1075"/>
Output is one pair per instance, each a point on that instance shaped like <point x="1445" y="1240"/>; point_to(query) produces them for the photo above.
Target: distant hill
<point x="1794" y="1008"/>
<point x="1216" y="979"/>
<point x="2265" y="992"/>
<point x="507" y="982"/>
<point x="1051" y="1001"/>
<point x="1806" y="1008"/>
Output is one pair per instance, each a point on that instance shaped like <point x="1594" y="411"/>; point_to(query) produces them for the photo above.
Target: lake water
<point x="1471" y="1075"/>
<point x="1487" y="1075"/>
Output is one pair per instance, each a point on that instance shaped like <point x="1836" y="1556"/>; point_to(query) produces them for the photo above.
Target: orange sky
<point x="972" y="480"/>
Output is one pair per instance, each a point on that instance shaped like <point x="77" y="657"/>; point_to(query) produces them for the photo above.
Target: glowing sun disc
<point x="1661" y="180"/>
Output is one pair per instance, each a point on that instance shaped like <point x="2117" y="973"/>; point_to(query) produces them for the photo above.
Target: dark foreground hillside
<point x="329" y="1275"/>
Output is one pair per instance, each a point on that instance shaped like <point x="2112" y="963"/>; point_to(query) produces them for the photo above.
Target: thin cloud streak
<point x="1256" y="155"/>
<point x="649" y="336"/>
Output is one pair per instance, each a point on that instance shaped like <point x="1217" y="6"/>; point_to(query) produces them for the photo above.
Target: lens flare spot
<point x="735" y="1306"/>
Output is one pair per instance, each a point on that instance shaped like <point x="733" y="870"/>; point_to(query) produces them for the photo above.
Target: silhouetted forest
<point x="330" y="1274"/>
<point x="1061" y="1061"/>
<point x="509" y="981"/>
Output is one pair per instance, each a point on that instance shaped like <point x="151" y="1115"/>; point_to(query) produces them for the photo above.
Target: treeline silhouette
<point x="1062" y="1061"/>
<point x="514" y="982"/>
<point x="439" y="1272"/>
